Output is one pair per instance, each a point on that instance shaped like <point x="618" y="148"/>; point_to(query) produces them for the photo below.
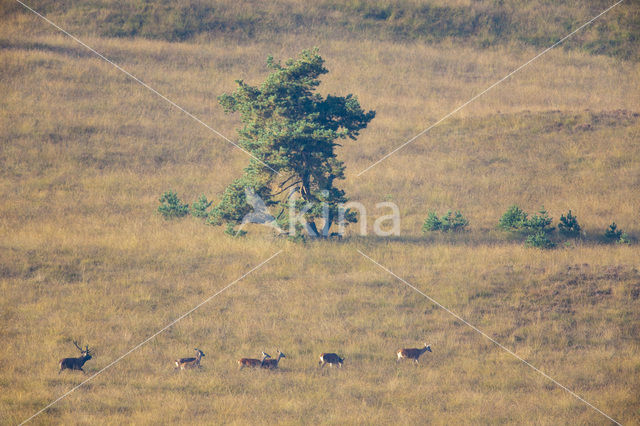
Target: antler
<point x="76" y="343"/>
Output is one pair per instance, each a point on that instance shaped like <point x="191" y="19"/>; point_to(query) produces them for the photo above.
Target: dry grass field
<point x="85" y="152"/>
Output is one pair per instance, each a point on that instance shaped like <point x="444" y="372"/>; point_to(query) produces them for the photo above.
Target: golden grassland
<point x="85" y="153"/>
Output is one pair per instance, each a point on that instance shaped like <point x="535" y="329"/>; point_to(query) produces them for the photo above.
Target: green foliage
<point x="171" y="207"/>
<point x="614" y="234"/>
<point x="230" y="230"/>
<point x="539" y="239"/>
<point x="568" y="226"/>
<point x="514" y="219"/>
<point x="450" y="222"/>
<point x="199" y="208"/>
<point x="432" y="222"/>
<point x="536" y="228"/>
<point x="292" y="132"/>
<point x="539" y="223"/>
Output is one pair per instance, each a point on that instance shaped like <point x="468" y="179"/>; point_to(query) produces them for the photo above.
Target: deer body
<point x="252" y="362"/>
<point x="76" y="363"/>
<point x="183" y="363"/>
<point x="412" y="353"/>
<point x="272" y="363"/>
<point x="331" y="359"/>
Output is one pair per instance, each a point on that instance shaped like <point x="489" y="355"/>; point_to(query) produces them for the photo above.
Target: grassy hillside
<point x="85" y="153"/>
<point x="476" y="23"/>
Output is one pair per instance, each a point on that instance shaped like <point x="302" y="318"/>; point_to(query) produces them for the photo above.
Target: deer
<point x="252" y="362"/>
<point x="183" y="363"/>
<point x="412" y="353"/>
<point x="331" y="359"/>
<point x="272" y="363"/>
<point x="76" y="363"/>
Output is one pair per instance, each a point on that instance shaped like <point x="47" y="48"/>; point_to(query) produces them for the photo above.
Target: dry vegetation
<point x="85" y="153"/>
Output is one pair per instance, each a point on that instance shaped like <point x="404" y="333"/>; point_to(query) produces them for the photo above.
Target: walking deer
<point x="183" y="363"/>
<point x="272" y="363"/>
<point x="412" y="353"/>
<point x="76" y="363"/>
<point x="252" y="362"/>
<point x="331" y="359"/>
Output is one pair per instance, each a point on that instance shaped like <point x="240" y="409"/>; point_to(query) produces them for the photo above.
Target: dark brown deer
<point x="183" y="363"/>
<point x="252" y="362"/>
<point x="331" y="359"/>
<point x="412" y="353"/>
<point x="76" y="363"/>
<point x="272" y="363"/>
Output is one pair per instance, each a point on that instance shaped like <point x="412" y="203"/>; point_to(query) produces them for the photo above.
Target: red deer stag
<point x="331" y="359"/>
<point x="252" y="362"/>
<point x="76" y="363"/>
<point x="272" y="363"/>
<point x="183" y="363"/>
<point x="412" y="353"/>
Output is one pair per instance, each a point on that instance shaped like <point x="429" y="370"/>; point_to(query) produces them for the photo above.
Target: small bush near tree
<point x="450" y="222"/>
<point x="514" y="219"/>
<point x="539" y="240"/>
<point x="568" y="226"/>
<point x="171" y="207"/>
<point x="539" y="223"/>
<point x="536" y="228"/>
<point x="199" y="208"/>
<point x="614" y="234"/>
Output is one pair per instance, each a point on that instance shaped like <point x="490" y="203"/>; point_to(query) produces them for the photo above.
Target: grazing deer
<point x="76" y="363"/>
<point x="252" y="362"/>
<point x="272" y="363"/>
<point x="331" y="359"/>
<point x="412" y="353"/>
<point x="183" y="363"/>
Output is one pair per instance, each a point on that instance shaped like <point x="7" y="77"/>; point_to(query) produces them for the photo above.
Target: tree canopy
<point x="292" y="133"/>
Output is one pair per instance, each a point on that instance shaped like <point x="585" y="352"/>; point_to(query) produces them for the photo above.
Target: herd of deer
<point x="265" y="362"/>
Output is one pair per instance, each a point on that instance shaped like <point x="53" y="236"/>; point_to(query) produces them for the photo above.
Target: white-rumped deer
<point x="252" y="362"/>
<point x="76" y="363"/>
<point x="412" y="353"/>
<point x="331" y="359"/>
<point x="183" y="363"/>
<point x="272" y="363"/>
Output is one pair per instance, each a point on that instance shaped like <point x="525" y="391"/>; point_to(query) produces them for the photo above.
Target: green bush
<point x="539" y="223"/>
<point x="199" y="208"/>
<point x="432" y="222"/>
<point x="514" y="219"/>
<point x="230" y="230"/>
<point x="614" y="234"/>
<point x="450" y="222"/>
<point x="171" y="207"/>
<point x="539" y="239"/>
<point x="568" y="226"/>
<point x="536" y="228"/>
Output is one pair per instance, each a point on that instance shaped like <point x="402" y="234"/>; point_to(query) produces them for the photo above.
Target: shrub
<point x="539" y="223"/>
<point x="568" y="226"/>
<point x="536" y="228"/>
<point x="450" y="222"/>
<point x="230" y="230"/>
<point x="432" y="222"/>
<point x="514" y="219"/>
<point x="539" y="239"/>
<point x="171" y="206"/>
<point x="614" y="234"/>
<point x="199" y="208"/>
